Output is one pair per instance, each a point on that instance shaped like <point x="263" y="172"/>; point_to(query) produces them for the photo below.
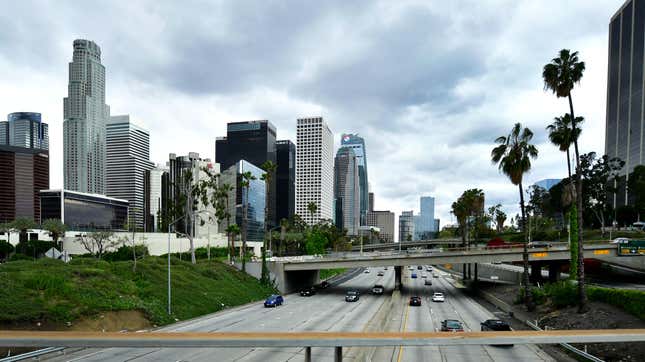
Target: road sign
<point x="540" y="255"/>
<point x="601" y="252"/>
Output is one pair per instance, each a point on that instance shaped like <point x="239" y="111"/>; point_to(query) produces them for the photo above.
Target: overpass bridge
<point x="405" y="245"/>
<point x="292" y="273"/>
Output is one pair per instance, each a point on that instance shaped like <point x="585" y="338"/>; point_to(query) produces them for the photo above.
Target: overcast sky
<point x="428" y="84"/>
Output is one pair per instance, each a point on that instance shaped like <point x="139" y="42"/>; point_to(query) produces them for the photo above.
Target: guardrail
<point x="569" y="347"/>
<point x="336" y="340"/>
<point x="32" y="354"/>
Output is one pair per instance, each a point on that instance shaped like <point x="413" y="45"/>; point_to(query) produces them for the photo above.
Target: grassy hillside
<point x="52" y="291"/>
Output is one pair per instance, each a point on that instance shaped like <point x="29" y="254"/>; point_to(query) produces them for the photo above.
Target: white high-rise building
<point x="128" y="159"/>
<point x="314" y="169"/>
<point x="154" y="195"/>
<point x="85" y="114"/>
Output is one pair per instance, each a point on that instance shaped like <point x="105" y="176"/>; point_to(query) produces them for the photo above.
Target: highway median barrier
<point x="377" y="323"/>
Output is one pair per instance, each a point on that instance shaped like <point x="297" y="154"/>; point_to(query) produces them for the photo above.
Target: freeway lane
<point x="326" y="311"/>
<point x="458" y="306"/>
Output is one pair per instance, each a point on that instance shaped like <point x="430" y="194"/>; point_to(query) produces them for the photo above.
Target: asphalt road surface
<point x="325" y="311"/>
<point x="429" y="315"/>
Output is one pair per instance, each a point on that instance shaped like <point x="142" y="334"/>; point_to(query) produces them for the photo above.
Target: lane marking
<point x="405" y="324"/>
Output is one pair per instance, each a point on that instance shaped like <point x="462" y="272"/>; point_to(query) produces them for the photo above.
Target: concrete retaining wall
<point x="376" y="324"/>
<point x="485" y="271"/>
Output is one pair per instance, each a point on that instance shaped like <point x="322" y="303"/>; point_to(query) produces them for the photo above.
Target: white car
<point x="620" y="241"/>
<point x="366" y="271"/>
<point x="424" y="275"/>
<point x="438" y="297"/>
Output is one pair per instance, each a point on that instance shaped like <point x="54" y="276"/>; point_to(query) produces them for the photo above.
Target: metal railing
<point x="32" y="354"/>
<point x="569" y="347"/>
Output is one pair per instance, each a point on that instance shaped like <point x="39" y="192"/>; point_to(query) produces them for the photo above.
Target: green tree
<point x="97" y="242"/>
<point x="636" y="186"/>
<point x="233" y="230"/>
<point x="55" y="228"/>
<point x="560" y="76"/>
<point x="513" y="156"/>
<point x="5" y="249"/>
<point x="598" y="176"/>
<point x="316" y="243"/>
<point x="23" y="224"/>
<point x="269" y="170"/>
<point x="498" y="215"/>
<point x="7" y="227"/>
<point x="312" y="208"/>
<point x="245" y="184"/>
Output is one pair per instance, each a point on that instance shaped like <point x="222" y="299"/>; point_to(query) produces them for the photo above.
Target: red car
<point x="415" y="301"/>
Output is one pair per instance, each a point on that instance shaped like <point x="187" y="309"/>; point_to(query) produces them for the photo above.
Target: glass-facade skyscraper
<point x="424" y="222"/>
<point x="85" y="115"/>
<point x="357" y="143"/>
<point x="346" y="190"/>
<point x="624" y="119"/>
<point x="24" y="165"/>
<point x="254" y="142"/>
<point x="285" y="179"/>
<point x="238" y="196"/>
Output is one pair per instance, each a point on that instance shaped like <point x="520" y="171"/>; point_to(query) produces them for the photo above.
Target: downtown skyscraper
<point x="357" y="143"/>
<point x="346" y="191"/>
<point x="314" y="169"/>
<point x="85" y="116"/>
<point x="625" y="79"/>
<point x="128" y="159"/>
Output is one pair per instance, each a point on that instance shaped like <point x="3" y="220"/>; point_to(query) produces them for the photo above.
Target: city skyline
<point x="392" y="151"/>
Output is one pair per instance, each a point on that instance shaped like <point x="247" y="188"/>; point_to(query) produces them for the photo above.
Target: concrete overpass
<point x="408" y="244"/>
<point x="292" y="273"/>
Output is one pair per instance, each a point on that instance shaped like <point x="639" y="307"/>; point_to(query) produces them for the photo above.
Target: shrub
<point x="632" y="301"/>
<point x="562" y="293"/>
<point x="124" y="253"/>
<point x="34" y="248"/>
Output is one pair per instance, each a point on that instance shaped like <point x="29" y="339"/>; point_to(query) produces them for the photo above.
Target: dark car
<point x="539" y="244"/>
<point x="273" y="301"/>
<point x="413" y="276"/>
<point x="451" y="325"/>
<point x="380" y="274"/>
<point x="308" y="292"/>
<point x="427" y="282"/>
<point x="496" y="325"/>
<point x="352" y="296"/>
<point x="419" y="267"/>
<point x="378" y="289"/>
<point x="415" y="301"/>
<point x="322" y="285"/>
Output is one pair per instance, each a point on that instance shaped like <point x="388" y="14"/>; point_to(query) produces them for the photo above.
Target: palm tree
<point x="513" y="156"/>
<point x="560" y="76"/>
<point x="269" y="170"/>
<point x="312" y="208"/>
<point x="562" y="134"/>
<point x="284" y="224"/>
<point x="222" y="206"/>
<point x="233" y="230"/>
<point x="245" y="184"/>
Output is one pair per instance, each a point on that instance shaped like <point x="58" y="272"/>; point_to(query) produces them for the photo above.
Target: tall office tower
<point x="346" y="191"/>
<point x="624" y="122"/>
<point x="85" y="114"/>
<point x="424" y="223"/>
<point x="370" y="204"/>
<point x="127" y="160"/>
<point x="357" y="143"/>
<point x="285" y="178"/>
<point x="253" y="141"/>
<point x="384" y="220"/>
<point x="153" y="186"/>
<point x="406" y="226"/>
<point x="314" y="169"/>
<point x="24" y="165"/>
<point x="183" y="173"/>
<point x="255" y="195"/>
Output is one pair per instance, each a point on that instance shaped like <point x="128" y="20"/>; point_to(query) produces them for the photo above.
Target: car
<point x="415" y="301"/>
<point x="427" y="282"/>
<point x="410" y="267"/>
<point x="385" y="268"/>
<point x="539" y="244"/>
<point x="438" y="297"/>
<point x="413" y="276"/>
<point x="380" y="274"/>
<point x="366" y="271"/>
<point x="620" y="241"/>
<point x="451" y="325"/>
<point x="322" y="285"/>
<point x="419" y="267"/>
<point x="308" y="292"/>
<point x="273" y="300"/>
<point x="352" y="296"/>
<point x="424" y="275"/>
<point x="435" y="275"/>
<point x="495" y="325"/>
<point x="378" y="289"/>
<point x="429" y="269"/>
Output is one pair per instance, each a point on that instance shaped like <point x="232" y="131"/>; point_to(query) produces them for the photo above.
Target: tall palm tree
<point x="312" y="208"/>
<point x="222" y="205"/>
<point x="245" y="184"/>
<point x="269" y="170"/>
<point x="233" y="230"/>
<point x="513" y="156"/>
<point x="562" y="134"/>
<point x="560" y="76"/>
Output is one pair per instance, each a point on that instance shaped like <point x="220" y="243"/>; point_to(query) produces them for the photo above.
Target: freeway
<point x="429" y="315"/>
<point x="325" y="311"/>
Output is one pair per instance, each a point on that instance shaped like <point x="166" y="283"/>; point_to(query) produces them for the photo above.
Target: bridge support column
<point x="307" y="354"/>
<point x="536" y="272"/>
<point x="464" y="271"/>
<point x="554" y="272"/>
<point x="470" y="274"/>
<point x="476" y="274"/>
<point x="338" y="354"/>
<point x="397" y="277"/>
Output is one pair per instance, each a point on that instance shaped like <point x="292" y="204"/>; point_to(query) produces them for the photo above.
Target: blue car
<point x="414" y="275"/>
<point x="273" y="301"/>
